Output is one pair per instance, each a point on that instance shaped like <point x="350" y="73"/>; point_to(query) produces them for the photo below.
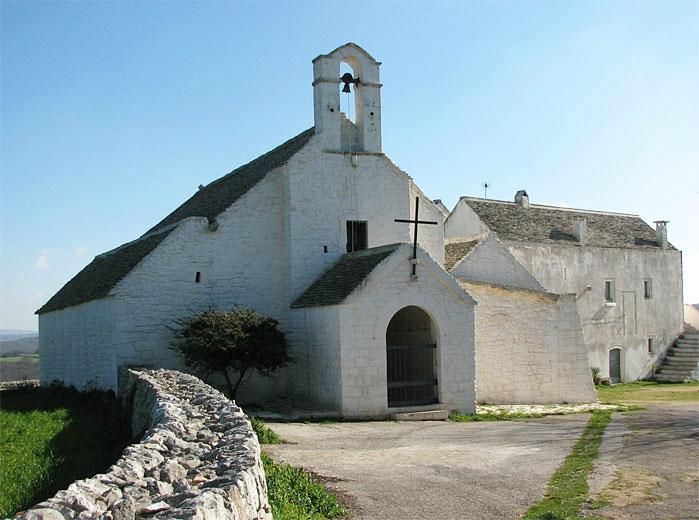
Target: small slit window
<point x="609" y="290"/>
<point x="648" y="289"/>
<point x="197" y="277"/>
<point x="650" y="345"/>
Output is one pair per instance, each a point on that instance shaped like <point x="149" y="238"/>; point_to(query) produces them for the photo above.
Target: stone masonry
<point x="198" y="458"/>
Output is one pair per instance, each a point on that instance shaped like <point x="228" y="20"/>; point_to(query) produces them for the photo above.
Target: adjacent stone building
<point x="626" y="278"/>
<point x="307" y="233"/>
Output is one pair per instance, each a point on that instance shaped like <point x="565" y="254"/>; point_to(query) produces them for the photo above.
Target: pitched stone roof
<point x="456" y="251"/>
<point x="550" y="224"/>
<point x="102" y="274"/>
<point x="218" y="196"/>
<point x="105" y="271"/>
<point x="338" y="282"/>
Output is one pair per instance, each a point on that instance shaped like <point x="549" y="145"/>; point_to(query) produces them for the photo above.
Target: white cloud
<point x="42" y="262"/>
<point x="80" y="252"/>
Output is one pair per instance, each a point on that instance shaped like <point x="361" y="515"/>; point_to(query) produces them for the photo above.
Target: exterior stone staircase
<point x="682" y="361"/>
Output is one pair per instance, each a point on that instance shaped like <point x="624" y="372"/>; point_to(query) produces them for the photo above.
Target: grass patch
<point x="568" y="488"/>
<point x="50" y="437"/>
<point x="265" y="435"/>
<point x="504" y="416"/>
<point x="18" y="359"/>
<point x="649" y="392"/>
<point x="295" y="494"/>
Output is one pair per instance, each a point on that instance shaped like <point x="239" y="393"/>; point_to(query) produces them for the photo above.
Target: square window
<point x="609" y="290"/>
<point x="648" y="289"/>
<point x="356" y="235"/>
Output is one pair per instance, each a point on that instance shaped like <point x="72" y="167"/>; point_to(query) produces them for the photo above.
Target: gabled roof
<point x="338" y="282"/>
<point x="102" y="274"/>
<point x="550" y="224"/>
<point x="216" y="197"/>
<point x="105" y="271"/>
<point x="455" y="251"/>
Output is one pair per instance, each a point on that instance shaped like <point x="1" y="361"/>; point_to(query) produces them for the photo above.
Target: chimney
<point x="661" y="233"/>
<point x="522" y="199"/>
<point x="580" y="230"/>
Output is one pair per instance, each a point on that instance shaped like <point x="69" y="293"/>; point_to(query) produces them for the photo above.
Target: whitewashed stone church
<point x="307" y="233"/>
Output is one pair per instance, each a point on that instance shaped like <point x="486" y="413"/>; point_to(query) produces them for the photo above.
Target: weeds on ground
<point x="295" y="494"/>
<point x="50" y="437"/>
<point x="568" y="487"/>
<point x="648" y="391"/>
<point x="265" y="435"/>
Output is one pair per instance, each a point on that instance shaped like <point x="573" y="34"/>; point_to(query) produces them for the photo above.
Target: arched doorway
<point x="411" y="355"/>
<point x="615" y="365"/>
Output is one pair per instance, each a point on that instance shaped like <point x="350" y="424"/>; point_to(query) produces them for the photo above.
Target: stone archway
<point x="411" y="358"/>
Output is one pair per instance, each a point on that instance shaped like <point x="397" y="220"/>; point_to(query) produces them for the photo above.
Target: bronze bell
<point x="347" y="79"/>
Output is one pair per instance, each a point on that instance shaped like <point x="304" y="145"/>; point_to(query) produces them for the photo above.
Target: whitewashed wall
<point x="325" y="191"/>
<point x="529" y="347"/>
<point x="490" y="261"/>
<point x="317" y="372"/>
<point x="365" y="317"/>
<point x="463" y="223"/>
<point x="76" y="345"/>
<point x="570" y="269"/>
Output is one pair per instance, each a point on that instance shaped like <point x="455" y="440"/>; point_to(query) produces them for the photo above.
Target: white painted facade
<point x="642" y="328"/>
<point x="279" y="237"/>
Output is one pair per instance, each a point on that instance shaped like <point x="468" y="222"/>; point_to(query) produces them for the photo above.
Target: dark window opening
<point x="609" y="290"/>
<point x="650" y="345"/>
<point x="325" y="249"/>
<point x="356" y="235"/>
<point x="197" y="277"/>
<point x="647" y="289"/>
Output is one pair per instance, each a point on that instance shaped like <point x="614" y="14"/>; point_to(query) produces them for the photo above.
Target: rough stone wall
<point x="76" y="345"/>
<point x="491" y="262"/>
<point x="529" y="347"/>
<point x="632" y="319"/>
<point x="198" y="458"/>
<point x="364" y="321"/>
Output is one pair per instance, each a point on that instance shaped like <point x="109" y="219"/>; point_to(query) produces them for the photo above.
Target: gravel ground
<point x="649" y="464"/>
<point x="433" y="470"/>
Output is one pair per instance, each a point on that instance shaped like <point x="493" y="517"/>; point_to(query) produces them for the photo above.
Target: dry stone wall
<point x="198" y="458"/>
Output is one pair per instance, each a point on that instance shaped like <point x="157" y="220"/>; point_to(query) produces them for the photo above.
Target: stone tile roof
<point x="102" y="274"/>
<point x="456" y="251"/>
<point x="550" y="224"/>
<point x="218" y="196"/>
<point x="338" y="282"/>
<point x="105" y="271"/>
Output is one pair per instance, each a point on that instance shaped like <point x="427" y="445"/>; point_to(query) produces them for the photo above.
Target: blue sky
<point x="113" y="112"/>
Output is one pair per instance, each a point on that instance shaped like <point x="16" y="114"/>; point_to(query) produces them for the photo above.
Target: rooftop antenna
<point x="485" y="189"/>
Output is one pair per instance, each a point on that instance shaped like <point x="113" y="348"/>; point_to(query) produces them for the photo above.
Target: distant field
<point x="19" y="368"/>
<point x="51" y="437"/>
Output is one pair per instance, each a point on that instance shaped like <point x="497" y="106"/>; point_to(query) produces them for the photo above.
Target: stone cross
<point x="416" y="222"/>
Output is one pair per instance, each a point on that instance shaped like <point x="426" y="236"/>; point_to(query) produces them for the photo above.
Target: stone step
<point x="674" y="372"/>
<point x="684" y="348"/>
<point x="692" y="336"/>
<point x="689" y="341"/>
<point x="663" y="378"/>
<point x="680" y="361"/>
<point x="427" y="415"/>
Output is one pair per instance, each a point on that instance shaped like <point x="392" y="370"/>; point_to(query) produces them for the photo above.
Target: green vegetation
<point x="264" y="434"/>
<point x="238" y="341"/>
<point x="503" y="416"/>
<point x="50" y="437"/>
<point x="18" y="359"/>
<point x="568" y="487"/>
<point x="295" y="494"/>
<point x="648" y="392"/>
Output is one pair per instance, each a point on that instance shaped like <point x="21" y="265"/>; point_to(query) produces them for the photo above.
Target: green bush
<point x="236" y="341"/>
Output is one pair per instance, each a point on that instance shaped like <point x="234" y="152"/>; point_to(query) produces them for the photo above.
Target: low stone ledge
<point x="14" y="385"/>
<point x="198" y="458"/>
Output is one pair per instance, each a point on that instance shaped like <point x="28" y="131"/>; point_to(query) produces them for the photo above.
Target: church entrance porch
<point x="411" y="359"/>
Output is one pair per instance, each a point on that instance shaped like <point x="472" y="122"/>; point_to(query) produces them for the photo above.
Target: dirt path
<point x="648" y="468"/>
<point x="433" y="470"/>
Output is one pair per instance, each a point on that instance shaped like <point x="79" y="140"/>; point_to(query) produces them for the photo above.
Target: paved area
<point x="648" y="467"/>
<point x="433" y="470"/>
